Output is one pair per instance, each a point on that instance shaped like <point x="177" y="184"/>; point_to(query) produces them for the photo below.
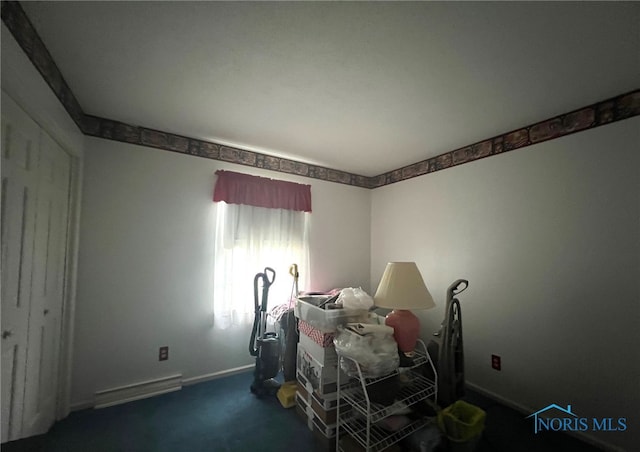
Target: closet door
<point x="20" y="145"/>
<point x="47" y="288"/>
<point x="35" y="197"/>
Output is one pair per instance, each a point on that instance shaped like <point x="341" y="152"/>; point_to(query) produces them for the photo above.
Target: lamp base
<point x="406" y="329"/>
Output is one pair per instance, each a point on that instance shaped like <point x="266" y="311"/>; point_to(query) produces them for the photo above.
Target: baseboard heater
<point x="137" y="391"/>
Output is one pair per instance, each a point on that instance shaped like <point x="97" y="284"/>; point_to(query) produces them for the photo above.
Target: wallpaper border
<point x="119" y="131"/>
<point x="617" y="108"/>
<point x="601" y="113"/>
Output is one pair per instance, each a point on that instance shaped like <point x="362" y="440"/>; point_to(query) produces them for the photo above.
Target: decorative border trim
<point x="22" y="30"/>
<point x="611" y="110"/>
<point x="119" y="131"/>
<point x="605" y="112"/>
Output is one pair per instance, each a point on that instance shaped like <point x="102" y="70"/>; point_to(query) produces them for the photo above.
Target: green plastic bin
<point x="463" y="424"/>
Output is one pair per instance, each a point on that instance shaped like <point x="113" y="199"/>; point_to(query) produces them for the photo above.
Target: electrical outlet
<point x="163" y="354"/>
<point x="495" y="362"/>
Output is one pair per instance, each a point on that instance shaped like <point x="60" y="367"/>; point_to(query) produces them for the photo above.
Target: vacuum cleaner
<point x="265" y="346"/>
<point x="447" y="348"/>
<point x="289" y="325"/>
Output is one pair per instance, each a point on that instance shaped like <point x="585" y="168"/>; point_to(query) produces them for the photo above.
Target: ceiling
<point x="364" y="87"/>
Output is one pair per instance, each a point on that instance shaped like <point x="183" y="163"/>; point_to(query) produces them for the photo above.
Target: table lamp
<point x="401" y="289"/>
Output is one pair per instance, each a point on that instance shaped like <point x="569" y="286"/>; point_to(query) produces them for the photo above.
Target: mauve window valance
<point x="238" y="188"/>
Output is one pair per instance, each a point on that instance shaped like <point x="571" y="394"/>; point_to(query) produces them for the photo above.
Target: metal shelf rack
<point x="358" y="415"/>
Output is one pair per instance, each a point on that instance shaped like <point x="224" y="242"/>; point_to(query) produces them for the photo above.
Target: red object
<point x="238" y="188"/>
<point x="321" y="338"/>
<point x="406" y="328"/>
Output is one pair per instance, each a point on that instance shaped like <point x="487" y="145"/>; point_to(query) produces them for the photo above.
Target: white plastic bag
<point x="354" y="298"/>
<point x="371" y="346"/>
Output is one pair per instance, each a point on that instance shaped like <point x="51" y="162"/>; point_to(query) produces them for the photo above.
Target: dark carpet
<point x="223" y="415"/>
<point x="508" y="430"/>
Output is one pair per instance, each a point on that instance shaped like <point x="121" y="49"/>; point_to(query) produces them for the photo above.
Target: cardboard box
<point x="323" y="408"/>
<point x="313" y="420"/>
<point x="326" y="401"/>
<point x="322" y="378"/>
<point x="326" y="356"/>
<point x="326" y="443"/>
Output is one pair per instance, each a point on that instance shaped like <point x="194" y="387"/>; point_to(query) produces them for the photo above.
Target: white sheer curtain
<point x="247" y="240"/>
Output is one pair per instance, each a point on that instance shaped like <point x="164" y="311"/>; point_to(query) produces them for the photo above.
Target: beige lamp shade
<point x="402" y="287"/>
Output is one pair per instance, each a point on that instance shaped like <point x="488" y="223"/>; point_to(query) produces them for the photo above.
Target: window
<point x="250" y="237"/>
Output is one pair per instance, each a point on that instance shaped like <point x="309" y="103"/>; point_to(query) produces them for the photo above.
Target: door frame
<point x="63" y="403"/>
<point x="63" y="390"/>
<point x="24" y="85"/>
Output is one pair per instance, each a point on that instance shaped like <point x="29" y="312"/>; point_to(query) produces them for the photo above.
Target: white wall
<point x="145" y="264"/>
<point x="549" y="239"/>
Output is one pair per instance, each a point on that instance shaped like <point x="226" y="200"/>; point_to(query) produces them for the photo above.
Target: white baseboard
<point x="137" y="391"/>
<point x="214" y="375"/>
<point x="492" y="395"/>
<point x="528" y="410"/>
<point x="82" y="405"/>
